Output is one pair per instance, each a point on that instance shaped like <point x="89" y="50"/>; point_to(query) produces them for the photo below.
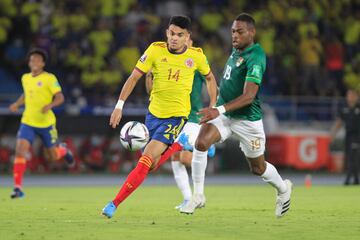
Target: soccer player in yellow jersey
<point x="173" y="65"/>
<point x="42" y="92"/>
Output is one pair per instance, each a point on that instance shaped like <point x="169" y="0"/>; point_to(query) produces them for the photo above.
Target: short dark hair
<point x="39" y="51"/>
<point x="245" y="17"/>
<point x="181" y="21"/>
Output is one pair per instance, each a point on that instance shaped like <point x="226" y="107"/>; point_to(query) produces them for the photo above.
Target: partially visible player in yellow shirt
<point x="42" y="92"/>
<point x="173" y="65"/>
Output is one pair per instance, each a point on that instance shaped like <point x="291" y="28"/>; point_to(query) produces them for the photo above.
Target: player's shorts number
<point x="255" y="144"/>
<point x="54" y="134"/>
<point x="174" y="130"/>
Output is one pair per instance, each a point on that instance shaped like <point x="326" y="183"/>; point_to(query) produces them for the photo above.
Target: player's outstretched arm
<point x="125" y="92"/>
<point x="249" y="93"/>
<point x="149" y="82"/>
<point x="211" y="88"/>
<point x="57" y="101"/>
<point x="19" y="102"/>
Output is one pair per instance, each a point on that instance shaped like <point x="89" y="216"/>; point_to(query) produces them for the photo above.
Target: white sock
<point x="198" y="168"/>
<point x="272" y="177"/>
<point x="181" y="178"/>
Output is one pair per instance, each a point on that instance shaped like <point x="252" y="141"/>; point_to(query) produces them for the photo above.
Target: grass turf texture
<point x="232" y="212"/>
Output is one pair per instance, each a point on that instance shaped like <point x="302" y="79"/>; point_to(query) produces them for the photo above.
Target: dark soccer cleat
<point x="69" y="157"/>
<point x="109" y="210"/>
<point x="17" y="193"/>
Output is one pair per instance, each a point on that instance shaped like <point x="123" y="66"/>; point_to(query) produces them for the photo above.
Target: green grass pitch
<point x="232" y="212"/>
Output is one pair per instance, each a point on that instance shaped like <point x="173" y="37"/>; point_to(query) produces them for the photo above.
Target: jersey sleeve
<point x="54" y="85"/>
<point x="144" y="64"/>
<point x="255" y="68"/>
<point x="203" y="65"/>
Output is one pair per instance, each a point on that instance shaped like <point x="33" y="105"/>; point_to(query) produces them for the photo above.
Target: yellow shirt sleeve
<point x="54" y="85"/>
<point x="203" y="64"/>
<point x="144" y="64"/>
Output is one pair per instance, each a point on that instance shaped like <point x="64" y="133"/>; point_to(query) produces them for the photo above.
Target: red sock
<point x="175" y="147"/>
<point x="134" y="179"/>
<point x="60" y="151"/>
<point x="18" y="171"/>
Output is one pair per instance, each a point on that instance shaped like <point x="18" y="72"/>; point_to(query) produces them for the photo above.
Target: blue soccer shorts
<point x="164" y="130"/>
<point x="48" y="135"/>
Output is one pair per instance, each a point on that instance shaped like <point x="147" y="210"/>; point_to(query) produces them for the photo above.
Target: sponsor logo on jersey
<point x="39" y="83"/>
<point x="143" y="58"/>
<point x="239" y="61"/>
<point x="256" y="71"/>
<point x="189" y="62"/>
<point x="164" y="60"/>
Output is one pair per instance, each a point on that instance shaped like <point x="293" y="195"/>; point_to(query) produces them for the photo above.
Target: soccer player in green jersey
<point x="238" y="112"/>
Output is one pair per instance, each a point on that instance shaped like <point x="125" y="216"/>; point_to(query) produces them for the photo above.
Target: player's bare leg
<point x="269" y="174"/>
<point x="61" y="151"/>
<point x="147" y="161"/>
<point x="208" y="135"/>
<point x="22" y="148"/>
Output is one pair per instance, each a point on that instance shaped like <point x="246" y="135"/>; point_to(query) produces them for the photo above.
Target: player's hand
<point x="13" y="107"/>
<point x="208" y="114"/>
<point x="115" y="117"/>
<point x="46" y="108"/>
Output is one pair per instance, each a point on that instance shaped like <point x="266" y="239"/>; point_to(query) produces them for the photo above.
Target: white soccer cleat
<point x="182" y="204"/>
<point x="283" y="200"/>
<point x="197" y="201"/>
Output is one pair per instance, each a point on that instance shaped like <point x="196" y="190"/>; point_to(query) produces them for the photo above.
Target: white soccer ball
<point x="134" y="135"/>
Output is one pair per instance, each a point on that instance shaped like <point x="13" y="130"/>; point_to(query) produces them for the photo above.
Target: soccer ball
<point x="134" y="135"/>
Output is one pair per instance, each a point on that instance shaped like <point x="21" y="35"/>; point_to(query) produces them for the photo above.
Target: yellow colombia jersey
<point x="38" y="92"/>
<point x="173" y="78"/>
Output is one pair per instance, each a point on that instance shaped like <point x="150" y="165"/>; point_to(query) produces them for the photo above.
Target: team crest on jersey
<point x="189" y="62"/>
<point x="143" y="58"/>
<point x="239" y="61"/>
<point x="39" y="83"/>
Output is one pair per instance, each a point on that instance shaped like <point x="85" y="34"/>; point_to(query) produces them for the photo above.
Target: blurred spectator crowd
<point x="312" y="46"/>
<point x="92" y="153"/>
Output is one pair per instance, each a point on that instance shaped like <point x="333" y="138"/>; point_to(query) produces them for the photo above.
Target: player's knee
<point x="186" y="160"/>
<point x="52" y="157"/>
<point x="20" y="152"/>
<point x="201" y="144"/>
<point x="257" y="170"/>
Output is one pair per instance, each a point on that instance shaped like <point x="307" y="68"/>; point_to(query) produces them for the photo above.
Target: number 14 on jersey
<point x="173" y="74"/>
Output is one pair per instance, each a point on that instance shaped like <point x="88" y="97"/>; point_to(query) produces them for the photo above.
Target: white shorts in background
<point x="192" y="130"/>
<point x="250" y="133"/>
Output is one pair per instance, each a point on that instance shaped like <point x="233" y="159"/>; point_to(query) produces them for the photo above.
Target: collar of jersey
<point x="248" y="49"/>
<point x="184" y="50"/>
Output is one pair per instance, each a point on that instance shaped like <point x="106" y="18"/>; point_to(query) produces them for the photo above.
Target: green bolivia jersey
<point x="195" y="97"/>
<point x="248" y="65"/>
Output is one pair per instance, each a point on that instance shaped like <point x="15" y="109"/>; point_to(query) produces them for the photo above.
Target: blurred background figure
<point x="350" y="117"/>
